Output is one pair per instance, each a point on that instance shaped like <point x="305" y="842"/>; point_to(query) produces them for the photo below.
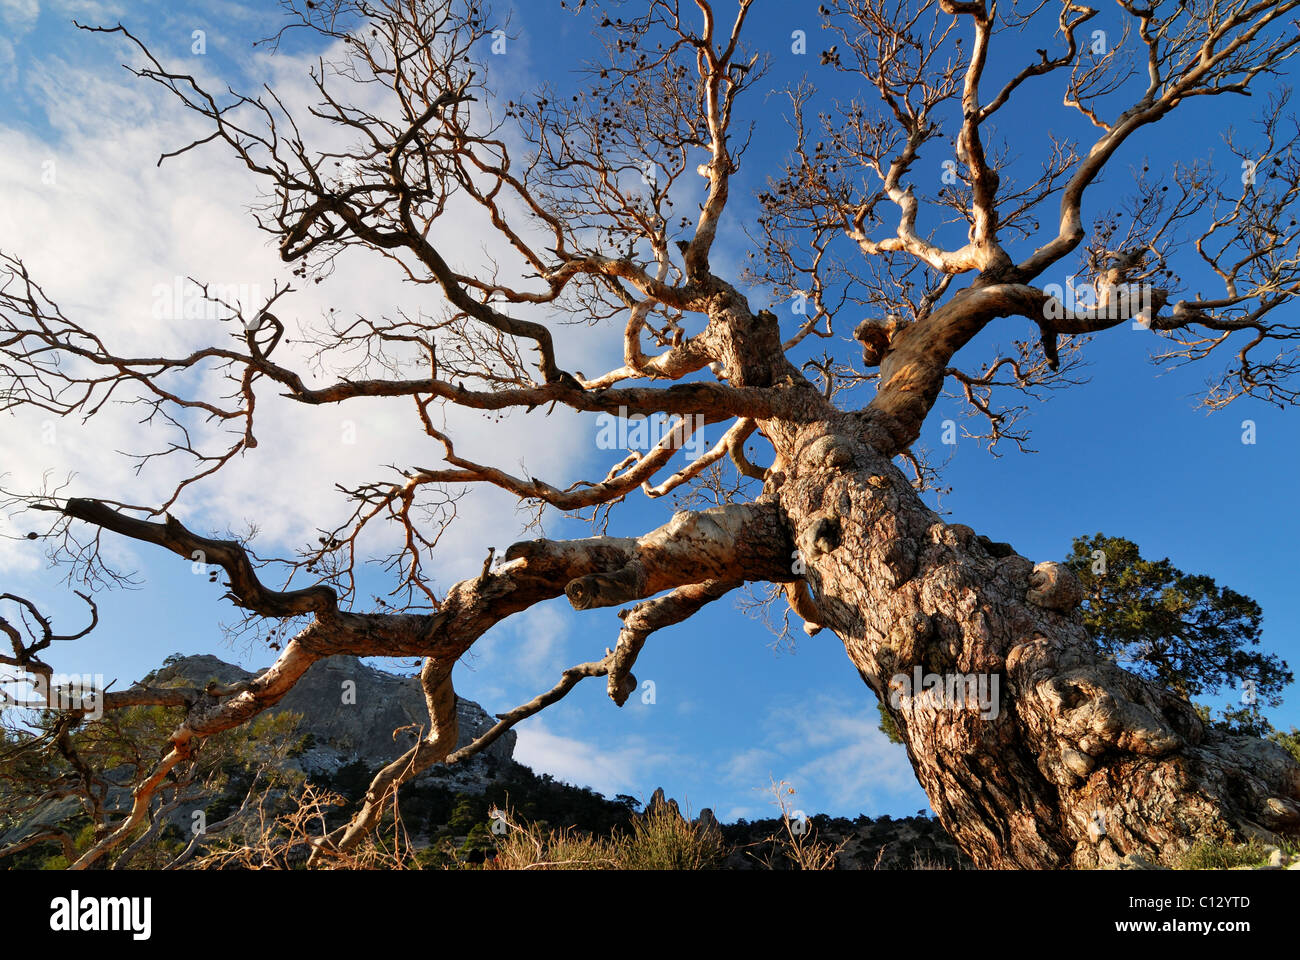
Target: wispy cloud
<point x="19" y="16"/>
<point x="831" y="750"/>
<point x="623" y="769"/>
<point x="104" y="229"/>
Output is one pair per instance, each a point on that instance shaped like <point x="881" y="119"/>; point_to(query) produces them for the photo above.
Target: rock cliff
<point x="354" y="712"/>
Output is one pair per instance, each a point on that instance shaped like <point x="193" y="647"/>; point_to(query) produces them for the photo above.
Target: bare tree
<point x="589" y="211"/>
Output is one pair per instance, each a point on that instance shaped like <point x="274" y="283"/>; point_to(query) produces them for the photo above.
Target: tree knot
<point x="876" y="335"/>
<point x="829" y="452"/>
<point x="1054" y="587"/>
<point x="820" y="536"/>
<point x="607" y="589"/>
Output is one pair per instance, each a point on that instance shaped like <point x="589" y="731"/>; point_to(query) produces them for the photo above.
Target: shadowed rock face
<point x="353" y="712"/>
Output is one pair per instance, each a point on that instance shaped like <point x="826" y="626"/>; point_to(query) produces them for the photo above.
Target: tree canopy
<point x="1181" y="630"/>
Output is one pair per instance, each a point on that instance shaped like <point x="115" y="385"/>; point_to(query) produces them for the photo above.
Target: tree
<point x="590" y="208"/>
<point x="1183" y="632"/>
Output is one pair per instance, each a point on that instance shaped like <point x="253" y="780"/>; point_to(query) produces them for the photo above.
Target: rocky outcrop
<point x="353" y="712"/>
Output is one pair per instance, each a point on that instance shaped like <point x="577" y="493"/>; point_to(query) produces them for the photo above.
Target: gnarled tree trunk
<point x="1079" y="762"/>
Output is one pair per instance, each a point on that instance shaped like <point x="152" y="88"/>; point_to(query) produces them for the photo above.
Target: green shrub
<point x="1290" y="742"/>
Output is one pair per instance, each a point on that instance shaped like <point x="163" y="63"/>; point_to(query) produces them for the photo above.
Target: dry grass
<point x="286" y="841"/>
<point x="1212" y="855"/>
<point x="797" y="842"/>
<point x="660" y="839"/>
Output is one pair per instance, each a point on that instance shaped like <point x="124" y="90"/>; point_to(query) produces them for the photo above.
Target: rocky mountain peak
<point x="355" y="712"/>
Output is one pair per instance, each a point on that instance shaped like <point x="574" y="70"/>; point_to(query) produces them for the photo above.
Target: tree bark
<point x="1074" y="762"/>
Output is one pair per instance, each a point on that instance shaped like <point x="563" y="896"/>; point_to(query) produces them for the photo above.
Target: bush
<point x="1290" y="742"/>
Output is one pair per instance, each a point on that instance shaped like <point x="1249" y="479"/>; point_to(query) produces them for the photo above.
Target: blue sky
<point x="1128" y="453"/>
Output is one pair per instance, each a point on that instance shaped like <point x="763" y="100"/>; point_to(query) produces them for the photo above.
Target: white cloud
<point x="832" y="752"/>
<point x="622" y="770"/>
<point x="750" y="765"/>
<point x="89" y="11"/>
<point x="20" y="16"/>
<point x="526" y="653"/>
<point x="8" y="63"/>
<point x="14" y="559"/>
<point x="111" y="228"/>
